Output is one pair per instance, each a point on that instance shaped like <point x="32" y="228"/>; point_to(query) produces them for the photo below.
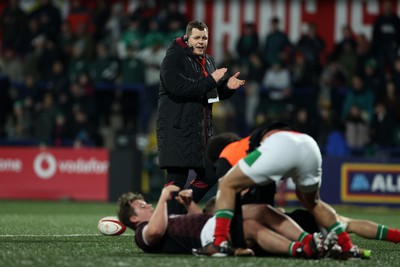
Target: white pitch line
<point x="67" y="235"/>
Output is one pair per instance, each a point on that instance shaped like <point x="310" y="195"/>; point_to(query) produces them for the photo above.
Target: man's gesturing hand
<point x="234" y="82"/>
<point x="218" y="74"/>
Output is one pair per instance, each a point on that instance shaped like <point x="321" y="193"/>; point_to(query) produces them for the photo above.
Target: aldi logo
<point x="364" y="183"/>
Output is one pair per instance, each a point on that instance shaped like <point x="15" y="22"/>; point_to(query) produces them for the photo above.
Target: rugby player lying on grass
<point x="156" y="232"/>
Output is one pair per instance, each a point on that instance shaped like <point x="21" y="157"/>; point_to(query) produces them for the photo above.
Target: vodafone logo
<point x="45" y="165"/>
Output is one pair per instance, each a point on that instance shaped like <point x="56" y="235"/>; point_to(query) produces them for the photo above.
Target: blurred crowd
<point x="62" y="77"/>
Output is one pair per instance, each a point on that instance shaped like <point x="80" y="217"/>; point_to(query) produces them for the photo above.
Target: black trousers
<point x="204" y="179"/>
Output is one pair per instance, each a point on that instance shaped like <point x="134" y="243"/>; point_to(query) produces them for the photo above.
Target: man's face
<point x="198" y="41"/>
<point x="143" y="210"/>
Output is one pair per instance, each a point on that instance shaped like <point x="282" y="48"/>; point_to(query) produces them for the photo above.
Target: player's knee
<point x="229" y="184"/>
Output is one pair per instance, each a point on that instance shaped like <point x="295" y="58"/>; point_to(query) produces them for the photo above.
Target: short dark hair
<point x="218" y="143"/>
<point x="195" y="24"/>
<point x="125" y="210"/>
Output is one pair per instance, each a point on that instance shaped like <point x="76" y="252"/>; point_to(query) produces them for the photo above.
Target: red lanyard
<point x="203" y="64"/>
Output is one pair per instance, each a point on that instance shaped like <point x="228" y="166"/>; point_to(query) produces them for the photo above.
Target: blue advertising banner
<point x="354" y="181"/>
<point x="365" y="183"/>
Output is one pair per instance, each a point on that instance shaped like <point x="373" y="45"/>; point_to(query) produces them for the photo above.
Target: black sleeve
<point x="222" y="166"/>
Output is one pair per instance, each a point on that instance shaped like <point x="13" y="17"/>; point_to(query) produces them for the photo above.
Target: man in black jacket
<point x="189" y="85"/>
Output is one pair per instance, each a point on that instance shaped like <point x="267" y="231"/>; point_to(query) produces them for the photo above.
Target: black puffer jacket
<point x="184" y="119"/>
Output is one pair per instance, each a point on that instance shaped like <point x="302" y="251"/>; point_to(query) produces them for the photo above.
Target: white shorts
<point x="285" y="154"/>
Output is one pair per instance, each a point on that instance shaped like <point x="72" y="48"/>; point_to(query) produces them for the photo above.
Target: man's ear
<point x="134" y="219"/>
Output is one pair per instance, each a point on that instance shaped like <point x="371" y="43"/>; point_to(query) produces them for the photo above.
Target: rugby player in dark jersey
<point x="155" y="231"/>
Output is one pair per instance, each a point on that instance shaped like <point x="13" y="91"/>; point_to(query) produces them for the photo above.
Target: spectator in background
<point x="82" y="114"/>
<point x="13" y="23"/>
<point x="86" y="83"/>
<point x="325" y="125"/>
<point x="153" y="34"/>
<point x="373" y="77"/>
<point x="386" y="36"/>
<point x="83" y="129"/>
<point x="19" y="124"/>
<point x="104" y="67"/>
<point x="61" y="131"/>
<point x="347" y="40"/>
<point x="43" y="120"/>
<point x="132" y="36"/>
<point x="77" y="63"/>
<point x="172" y="14"/>
<point x="12" y="66"/>
<point x="144" y="11"/>
<point x="66" y="38"/>
<point x="345" y="55"/>
<point x="57" y="79"/>
<point x="311" y="45"/>
<point x="360" y="96"/>
<point x="103" y="72"/>
<point x="333" y="89"/>
<point x="49" y="18"/>
<point x="304" y="84"/>
<point x="132" y="75"/>
<point x="115" y="23"/>
<point x="174" y="30"/>
<point x="100" y="15"/>
<point x="276" y="82"/>
<point x="254" y="77"/>
<point x="50" y="54"/>
<point x="30" y="93"/>
<point x="356" y="128"/>
<point x="32" y="37"/>
<point x="277" y="45"/>
<point x="84" y="41"/>
<point x="247" y="44"/>
<point x="152" y="57"/>
<point x="390" y="97"/>
<point x="383" y="127"/>
<point x="303" y="123"/>
<point x="363" y="50"/>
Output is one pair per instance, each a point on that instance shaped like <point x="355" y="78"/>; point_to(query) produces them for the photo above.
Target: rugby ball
<point x="111" y="226"/>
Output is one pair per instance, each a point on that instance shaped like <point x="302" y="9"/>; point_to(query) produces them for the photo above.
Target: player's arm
<point x="158" y="223"/>
<point x="185" y="198"/>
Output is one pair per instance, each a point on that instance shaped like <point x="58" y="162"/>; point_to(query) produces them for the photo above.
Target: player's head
<point x="132" y="209"/>
<point x="218" y="143"/>
<point x="197" y="37"/>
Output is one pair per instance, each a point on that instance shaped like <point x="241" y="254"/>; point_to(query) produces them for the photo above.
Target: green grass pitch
<point x="39" y="233"/>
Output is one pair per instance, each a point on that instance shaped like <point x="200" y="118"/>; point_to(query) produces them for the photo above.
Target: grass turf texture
<point x="65" y="234"/>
